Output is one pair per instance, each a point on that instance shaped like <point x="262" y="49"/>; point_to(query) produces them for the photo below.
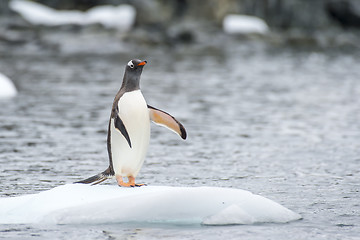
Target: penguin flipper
<point x="119" y="125"/>
<point x="166" y="120"/>
<point x="98" y="178"/>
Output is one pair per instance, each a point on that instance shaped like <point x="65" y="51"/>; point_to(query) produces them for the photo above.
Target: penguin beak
<point x="142" y="63"/>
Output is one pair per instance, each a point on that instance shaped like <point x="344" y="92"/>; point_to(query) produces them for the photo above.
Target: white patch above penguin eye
<point x="130" y="64"/>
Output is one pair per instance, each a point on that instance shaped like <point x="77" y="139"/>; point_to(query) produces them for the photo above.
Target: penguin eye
<point x="130" y="64"/>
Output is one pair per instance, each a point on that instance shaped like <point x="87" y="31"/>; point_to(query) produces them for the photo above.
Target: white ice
<point x="243" y="24"/>
<point x="7" y="87"/>
<point x="86" y="204"/>
<point x="121" y="17"/>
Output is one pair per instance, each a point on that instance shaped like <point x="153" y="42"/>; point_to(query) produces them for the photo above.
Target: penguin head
<point x="135" y="65"/>
<point x="132" y="74"/>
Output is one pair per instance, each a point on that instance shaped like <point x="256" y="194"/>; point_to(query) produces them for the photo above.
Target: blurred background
<point x="321" y="23"/>
<point x="268" y="91"/>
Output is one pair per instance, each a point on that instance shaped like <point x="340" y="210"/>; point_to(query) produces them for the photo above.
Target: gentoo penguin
<point x="129" y="129"/>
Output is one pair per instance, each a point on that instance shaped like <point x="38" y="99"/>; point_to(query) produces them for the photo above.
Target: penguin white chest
<point x="133" y="111"/>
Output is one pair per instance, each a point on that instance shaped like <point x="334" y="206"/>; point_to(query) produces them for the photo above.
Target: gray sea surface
<point x="281" y="122"/>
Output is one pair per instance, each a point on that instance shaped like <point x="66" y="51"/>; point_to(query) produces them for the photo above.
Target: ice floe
<point x="243" y="24"/>
<point x="7" y="87"/>
<point x="85" y="204"/>
<point x="121" y="17"/>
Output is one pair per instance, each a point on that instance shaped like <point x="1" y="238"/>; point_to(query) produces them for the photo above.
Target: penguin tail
<point x="98" y="178"/>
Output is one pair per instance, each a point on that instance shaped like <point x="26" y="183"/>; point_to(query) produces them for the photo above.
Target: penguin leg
<point x="130" y="183"/>
<point x="121" y="182"/>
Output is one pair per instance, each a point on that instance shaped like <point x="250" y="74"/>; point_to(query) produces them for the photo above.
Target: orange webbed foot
<point x="130" y="183"/>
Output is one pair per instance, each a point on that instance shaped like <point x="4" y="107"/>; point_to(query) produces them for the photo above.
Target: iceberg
<point x="243" y="24"/>
<point x="86" y="204"/>
<point x="7" y="87"/>
<point x="121" y="17"/>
